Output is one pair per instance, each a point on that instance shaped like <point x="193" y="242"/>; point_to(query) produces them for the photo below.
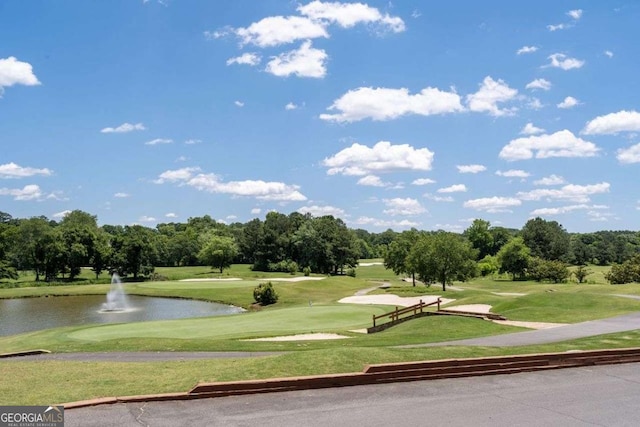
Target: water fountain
<point x="116" y="297"/>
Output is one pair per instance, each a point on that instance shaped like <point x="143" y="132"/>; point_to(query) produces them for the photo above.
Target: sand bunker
<point x="391" y="299"/>
<point x="291" y="279"/>
<point x="302" y="337"/>
<point x="211" y="279"/>
<point x="472" y="308"/>
<point x="530" y="325"/>
<point x="369" y="264"/>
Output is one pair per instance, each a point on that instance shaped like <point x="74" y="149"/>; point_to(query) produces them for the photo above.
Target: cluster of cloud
<point x="573" y="192"/>
<point x="124" y="128"/>
<point x="261" y="190"/>
<point x="387" y="103"/>
<point x="28" y="192"/>
<point x="403" y="207"/>
<point x="14" y="72"/>
<point x="614" y="123"/>
<point x="559" y="144"/>
<point x="360" y="160"/>
<point x="575" y="16"/>
<point x="317" y="211"/>
<point x="12" y="170"/>
<point x="312" y="22"/>
<point x="471" y="168"/>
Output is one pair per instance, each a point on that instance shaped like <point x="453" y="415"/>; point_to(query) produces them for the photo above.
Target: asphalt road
<point x="602" y="396"/>
<point x="626" y="322"/>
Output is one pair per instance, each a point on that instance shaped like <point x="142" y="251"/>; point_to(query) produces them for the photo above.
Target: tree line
<point x="298" y="242"/>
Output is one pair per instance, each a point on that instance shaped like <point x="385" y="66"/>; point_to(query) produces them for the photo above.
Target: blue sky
<point x="386" y="114"/>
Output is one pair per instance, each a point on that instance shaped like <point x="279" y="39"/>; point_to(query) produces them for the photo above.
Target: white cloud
<point x="121" y="195"/>
<point x="158" y="141"/>
<point x="192" y="141"/>
<point x="290" y="106"/>
<point x="629" y="155"/>
<point x="145" y="218"/>
<point x="569" y="102"/>
<point x="622" y="121"/>
<point x="565" y="209"/>
<point x="361" y="160"/>
<point x="550" y="180"/>
<point x="12" y="170"/>
<point x="177" y="175"/>
<point x="318" y="211"/>
<point x="572" y="192"/>
<point x="471" y="168"/>
<point x="238" y="104"/>
<point x="60" y="215"/>
<point x="558" y="27"/>
<point x="182" y="159"/>
<point x="303" y="62"/>
<point x="171" y="215"/>
<point x="372" y="181"/>
<point x="608" y="53"/>
<point x="277" y="30"/>
<point x="456" y="188"/>
<point x="423" y="181"/>
<point x="259" y="189"/>
<point x="530" y="129"/>
<point x="539" y="84"/>
<point x="347" y="15"/>
<point x="28" y="192"/>
<point x="575" y="14"/>
<point x="124" y="128"/>
<point x="256" y="211"/>
<point x="559" y="144"/>
<point x="416" y="14"/>
<point x="526" y="49"/>
<point x="514" y="173"/>
<point x="439" y="198"/>
<point x="400" y="206"/>
<point x="534" y="104"/>
<point x="14" y="72"/>
<point x="386" y="104"/>
<point x="491" y="93"/>
<point x="492" y="204"/>
<point x="405" y="223"/>
<point x="248" y="58"/>
<point x="600" y="216"/>
<point x="560" y="60"/>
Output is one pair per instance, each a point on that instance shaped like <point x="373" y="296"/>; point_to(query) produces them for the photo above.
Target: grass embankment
<point x="304" y="307"/>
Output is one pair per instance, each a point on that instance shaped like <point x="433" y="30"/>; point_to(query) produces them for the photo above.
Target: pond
<point x="21" y="315"/>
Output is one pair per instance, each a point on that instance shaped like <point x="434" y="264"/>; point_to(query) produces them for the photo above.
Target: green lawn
<point x="303" y="307"/>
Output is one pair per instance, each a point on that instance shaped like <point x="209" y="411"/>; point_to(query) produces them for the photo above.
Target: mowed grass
<point x="304" y="307"/>
<point x="37" y="383"/>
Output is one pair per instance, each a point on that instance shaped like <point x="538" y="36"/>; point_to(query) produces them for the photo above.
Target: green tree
<point x="396" y="255"/>
<point x="581" y="273"/>
<point x="488" y="265"/>
<point x="133" y="251"/>
<point x="480" y="237"/>
<point x="218" y="251"/>
<point x="442" y="257"/>
<point x="514" y="258"/>
<point x="79" y="233"/>
<point x="546" y="239"/>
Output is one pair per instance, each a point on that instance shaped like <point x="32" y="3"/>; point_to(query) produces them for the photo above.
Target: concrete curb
<point x="23" y="353"/>
<point x="390" y="372"/>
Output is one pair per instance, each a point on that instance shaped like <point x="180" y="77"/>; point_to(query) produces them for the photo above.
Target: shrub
<point x="351" y="272"/>
<point x="306" y="271"/>
<point x="581" y="273"/>
<point x="627" y="272"/>
<point x="264" y="294"/>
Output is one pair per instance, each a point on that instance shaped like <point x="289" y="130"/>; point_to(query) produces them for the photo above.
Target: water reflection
<point x="33" y="314"/>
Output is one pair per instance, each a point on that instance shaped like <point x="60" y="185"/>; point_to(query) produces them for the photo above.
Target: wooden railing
<point x="413" y="310"/>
